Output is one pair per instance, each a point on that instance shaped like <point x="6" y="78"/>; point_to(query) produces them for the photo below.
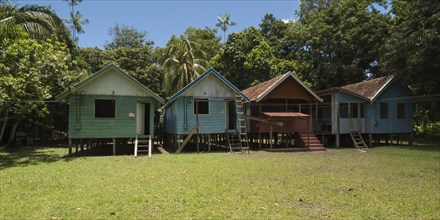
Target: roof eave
<point x="270" y="89"/>
<point x="380" y="91"/>
<point x="102" y="71"/>
<point x="198" y="79"/>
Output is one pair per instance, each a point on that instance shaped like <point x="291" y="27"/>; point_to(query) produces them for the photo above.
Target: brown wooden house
<point x="282" y="100"/>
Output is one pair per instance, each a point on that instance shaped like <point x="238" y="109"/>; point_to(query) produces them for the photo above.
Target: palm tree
<point x="76" y="19"/>
<point x="223" y="23"/>
<point x="184" y="62"/>
<point x="40" y="22"/>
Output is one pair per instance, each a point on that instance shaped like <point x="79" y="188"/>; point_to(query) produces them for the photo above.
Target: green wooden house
<point x="110" y="104"/>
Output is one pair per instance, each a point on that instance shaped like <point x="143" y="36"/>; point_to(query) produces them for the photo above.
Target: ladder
<point x="142" y="144"/>
<point x="238" y="140"/>
<point x="358" y="140"/>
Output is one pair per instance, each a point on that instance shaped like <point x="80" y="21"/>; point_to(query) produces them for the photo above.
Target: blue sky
<point x="162" y="19"/>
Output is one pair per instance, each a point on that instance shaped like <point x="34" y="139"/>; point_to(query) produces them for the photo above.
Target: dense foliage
<point x="330" y="43"/>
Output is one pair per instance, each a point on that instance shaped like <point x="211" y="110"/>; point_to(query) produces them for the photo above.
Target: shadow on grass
<point x="419" y="144"/>
<point x="30" y="155"/>
<point x="24" y="156"/>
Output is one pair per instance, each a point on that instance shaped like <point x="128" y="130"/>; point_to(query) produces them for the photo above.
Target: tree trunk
<point x="3" y="129"/>
<point x="12" y="135"/>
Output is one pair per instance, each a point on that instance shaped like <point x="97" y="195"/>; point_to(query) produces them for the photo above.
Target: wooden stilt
<point x="209" y="142"/>
<point x="308" y="131"/>
<point x="114" y="146"/>
<point x="337" y="141"/>
<point x="411" y="138"/>
<point x="76" y="148"/>
<point x="370" y="140"/>
<point x="260" y="143"/>
<point x="70" y="146"/>
<point x="270" y="136"/>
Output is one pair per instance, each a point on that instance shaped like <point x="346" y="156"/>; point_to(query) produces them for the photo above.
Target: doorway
<point x="232" y="116"/>
<point x="143" y="119"/>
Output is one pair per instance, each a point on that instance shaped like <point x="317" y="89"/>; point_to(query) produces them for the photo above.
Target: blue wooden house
<point x="208" y="102"/>
<point x="379" y="106"/>
<point x="110" y="104"/>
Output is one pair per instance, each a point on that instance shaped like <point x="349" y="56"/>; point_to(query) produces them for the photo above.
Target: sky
<point x="162" y="19"/>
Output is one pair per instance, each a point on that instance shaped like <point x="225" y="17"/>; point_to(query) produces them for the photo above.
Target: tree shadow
<point x="30" y="155"/>
<point x="419" y="144"/>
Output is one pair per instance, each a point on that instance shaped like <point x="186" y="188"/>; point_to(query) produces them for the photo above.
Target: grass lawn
<point x="384" y="182"/>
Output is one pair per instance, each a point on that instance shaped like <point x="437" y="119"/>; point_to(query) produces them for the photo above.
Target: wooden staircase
<point x="238" y="139"/>
<point x="302" y="140"/>
<point x="357" y="139"/>
<point x="143" y="144"/>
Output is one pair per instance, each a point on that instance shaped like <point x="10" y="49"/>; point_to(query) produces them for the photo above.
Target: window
<point x="104" y="108"/>
<point x="343" y="110"/>
<point x="305" y="109"/>
<point x="383" y="110"/>
<point x="354" y="110"/>
<point x="201" y="106"/>
<point x="400" y="110"/>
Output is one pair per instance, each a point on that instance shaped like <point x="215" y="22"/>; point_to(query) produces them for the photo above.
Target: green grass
<point x="385" y="183"/>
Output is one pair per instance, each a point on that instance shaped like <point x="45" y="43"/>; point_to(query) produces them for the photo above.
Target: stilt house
<point x="110" y="104"/>
<point x="207" y="107"/>
<point x="378" y="106"/>
<point x="287" y="100"/>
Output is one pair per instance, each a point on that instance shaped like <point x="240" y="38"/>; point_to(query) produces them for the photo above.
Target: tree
<point x="183" y="62"/>
<point x="76" y="19"/>
<point x="412" y="51"/>
<point x="32" y="72"/>
<point x="274" y="31"/>
<point x="206" y="38"/>
<point x="128" y="37"/>
<point x="137" y="62"/>
<point x="340" y="40"/>
<point x="223" y="23"/>
<point x="246" y="58"/>
<point x="39" y="22"/>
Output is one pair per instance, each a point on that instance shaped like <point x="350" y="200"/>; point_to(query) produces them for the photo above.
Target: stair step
<point x="142" y="151"/>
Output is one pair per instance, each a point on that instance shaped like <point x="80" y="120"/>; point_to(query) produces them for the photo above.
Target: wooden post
<point x="270" y="136"/>
<point x="410" y="141"/>
<point x="260" y="142"/>
<point x="114" y="146"/>
<point x="260" y="135"/>
<point x="316" y="116"/>
<point x="209" y="142"/>
<point x="197" y="122"/>
<point x="370" y="140"/>
<point x="337" y="140"/>
<point x="70" y="146"/>
<point x="308" y="132"/>
<point x="81" y="145"/>
<point x="76" y="148"/>
<point x="150" y="146"/>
